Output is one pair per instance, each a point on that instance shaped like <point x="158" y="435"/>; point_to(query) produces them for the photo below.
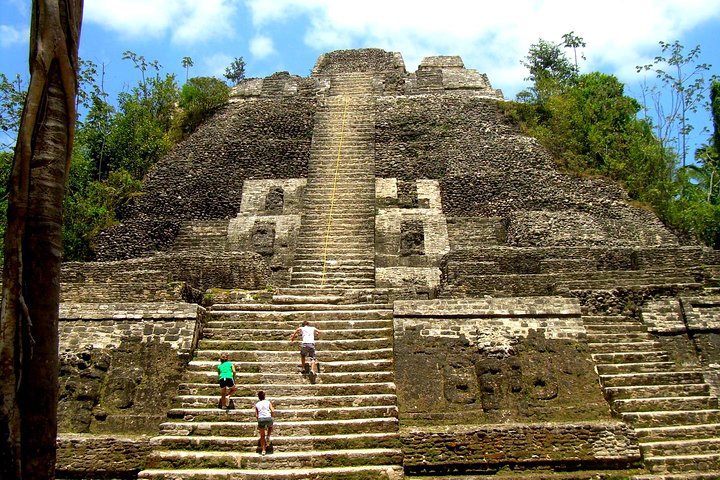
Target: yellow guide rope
<point x="335" y="179"/>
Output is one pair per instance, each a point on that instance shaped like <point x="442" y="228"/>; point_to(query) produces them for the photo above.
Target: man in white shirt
<point x="307" y="347"/>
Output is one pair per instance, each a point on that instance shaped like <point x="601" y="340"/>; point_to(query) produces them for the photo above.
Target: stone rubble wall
<point x="101" y="456"/>
<point x="121" y="364"/>
<point x="489" y="448"/>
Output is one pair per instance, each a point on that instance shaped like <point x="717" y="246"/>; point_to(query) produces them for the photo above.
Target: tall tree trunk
<point x="33" y="245"/>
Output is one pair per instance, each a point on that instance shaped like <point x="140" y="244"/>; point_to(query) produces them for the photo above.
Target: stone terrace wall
<point x="202" y="177"/>
<point x="121" y="364"/>
<point x="487" y="169"/>
<point x="487" y="449"/>
<point x="245" y="270"/>
<point x="101" y="456"/>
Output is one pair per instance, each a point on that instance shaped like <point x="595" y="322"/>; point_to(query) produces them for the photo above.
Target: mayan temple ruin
<point x="482" y="313"/>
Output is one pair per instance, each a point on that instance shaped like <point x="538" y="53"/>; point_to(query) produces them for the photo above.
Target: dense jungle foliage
<point x="116" y="143"/>
<point x="592" y="128"/>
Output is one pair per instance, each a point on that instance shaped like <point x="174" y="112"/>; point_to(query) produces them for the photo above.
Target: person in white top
<point x="264" y="411"/>
<point x="307" y="347"/>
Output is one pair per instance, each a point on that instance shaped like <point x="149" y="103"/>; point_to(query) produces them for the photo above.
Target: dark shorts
<point x="227" y="382"/>
<point x="308" y="350"/>
<point x="264" y="423"/>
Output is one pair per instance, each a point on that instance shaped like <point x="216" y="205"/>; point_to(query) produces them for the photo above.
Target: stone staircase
<point x="340" y="425"/>
<point x="675" y="417"/>
<point x="336" y="243"/>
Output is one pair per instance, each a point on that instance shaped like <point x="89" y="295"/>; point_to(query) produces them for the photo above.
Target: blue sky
<point x="277" y="35"/>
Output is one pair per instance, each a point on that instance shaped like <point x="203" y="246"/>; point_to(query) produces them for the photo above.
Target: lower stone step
<point x="285" y="345"/>
<point x="289" y="356"/>
<point x="378" y="472"/>
<point x="684" y="463"/>
<point x="679" y="432"/>
<point x="309" y="388"/>
<point x="244" y="412"/>
<point x="309" y="427"/>
<point x="681" y="447"/>
<point x="651" y="378"/>
<point x="250" y="378"/>
<point x="613" y="347"/>
<point x="650" y="391"/>
<point x="631" y="357"/>
<point x="293" y="366"/>
<point x="278" y="460"/>
<point x="289" y="443"/>
<point x="680" y="476"/>
<point x="665" y="419"/>
<point x="636" y="367"/>
<point x="665" y="403"/>
<point x="298" y="401"/>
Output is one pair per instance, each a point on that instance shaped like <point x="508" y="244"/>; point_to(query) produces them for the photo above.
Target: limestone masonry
<point x="483" y="313"/>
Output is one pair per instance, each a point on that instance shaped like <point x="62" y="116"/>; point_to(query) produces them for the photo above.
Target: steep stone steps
<point x="299" y="443"/>
<point x="292" y="356"/>
<point x="681" y="447"/>
<point x="274" y="345"/>
<point x="341" y="423"/>
<point x="697" y="462"/>
<point x="671" y="418"/>
<point x="289" y="428"/>
<point x="294" y="401"/>
<point x="288" y="322"/>
<point x="290" y="367"/>
<point x="281" y="333"/>
<point x="360" y="311"/>
<point x="245" y="378"/>
<point x="664" y="403"/>
<point x="289" y="460"/>
<point x="380" y="472"/>
<point x="339" y="223"/>
<point x="672" y="411"/>
<point x="650" y="391"/>
<point x="676" y="476"/>
<point x="675" y="432"/>
<point x="301" y="413"/>
<point x="633" y="367"/>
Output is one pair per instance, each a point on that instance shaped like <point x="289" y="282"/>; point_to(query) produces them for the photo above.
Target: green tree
<point x="570" y="40"/>
<point x="681" y="91"/>
<point x="550" y="71"/>
<point x="139" y="131"/>
<point x="187" y="62"/>
<point x="235" y="72"/>
<point x="198" y="98"/>
<point x="12" y="97"/>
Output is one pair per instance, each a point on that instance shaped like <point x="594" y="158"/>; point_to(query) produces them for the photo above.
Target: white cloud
<point x="261" y="46"/>
<point x="10" y="35"/>
<point x="216" y="64"/>
<point x="491" y="37"/>
<point x="186" y="21"/>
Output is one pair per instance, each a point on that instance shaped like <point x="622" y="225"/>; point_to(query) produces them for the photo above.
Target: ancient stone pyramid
<point x="484" y="313"/>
